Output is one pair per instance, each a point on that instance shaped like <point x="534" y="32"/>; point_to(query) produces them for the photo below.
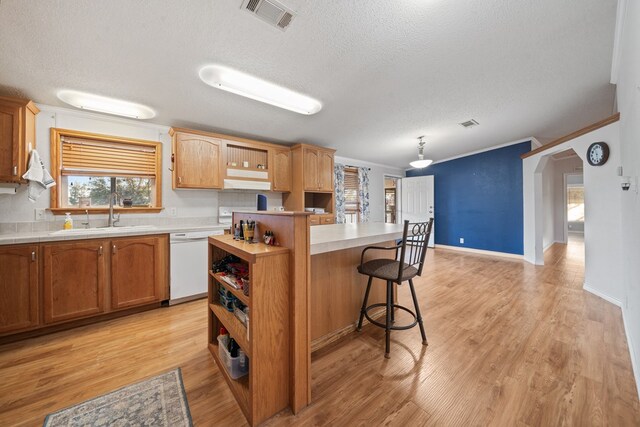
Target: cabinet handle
<point x="100" y="250"/>
<point x="33" y="255"/>
<point x="173" y="160"/>
<point x="179" y="180"/>
<point x="113" y="249"/>
<point x="15" y="170"/>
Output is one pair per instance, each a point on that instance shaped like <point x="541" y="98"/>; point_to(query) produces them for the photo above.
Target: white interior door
<point x="417" y="201"/>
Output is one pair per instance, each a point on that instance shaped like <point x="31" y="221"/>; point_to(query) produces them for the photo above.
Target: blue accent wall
<point x="479" y="198"/>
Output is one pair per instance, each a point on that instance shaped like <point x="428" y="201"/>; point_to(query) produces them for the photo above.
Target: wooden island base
<point x="337" y="290"/>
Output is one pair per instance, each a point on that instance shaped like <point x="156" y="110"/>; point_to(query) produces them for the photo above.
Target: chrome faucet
<point x="87" y="224"/>
<point x="113" y="218"/>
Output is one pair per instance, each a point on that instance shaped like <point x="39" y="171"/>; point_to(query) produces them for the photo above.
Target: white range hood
<point x="242" y="184"/>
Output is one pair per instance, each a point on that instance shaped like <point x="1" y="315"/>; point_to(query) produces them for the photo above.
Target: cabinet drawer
<point x="327" y="219"/>
<point x="322" y="219"/>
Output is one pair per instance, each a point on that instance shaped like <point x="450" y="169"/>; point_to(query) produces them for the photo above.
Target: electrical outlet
<point x="173" y="211"/>
<point x="39" y="214"/>
<point x="462" y="240"/>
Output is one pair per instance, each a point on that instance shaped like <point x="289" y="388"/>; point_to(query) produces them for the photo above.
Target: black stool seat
<point x="412" y="250"/>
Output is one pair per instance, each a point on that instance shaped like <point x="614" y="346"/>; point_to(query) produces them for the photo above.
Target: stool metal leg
<point x="364" y="304"/>
<point x="393" y="303"/>
<point x="388" y="322"/>
<point x="418" y="315"/>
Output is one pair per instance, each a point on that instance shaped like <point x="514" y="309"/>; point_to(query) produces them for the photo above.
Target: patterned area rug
<point x="158" y="401"/>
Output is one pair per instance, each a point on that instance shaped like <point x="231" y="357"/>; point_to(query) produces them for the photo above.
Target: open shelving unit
<point x="264" y="391"/>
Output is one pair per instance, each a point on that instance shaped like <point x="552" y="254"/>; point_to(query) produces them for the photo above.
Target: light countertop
<point x="323" y="238"/>
<point x="101" y="233"/>
<point x="335" y="237"/>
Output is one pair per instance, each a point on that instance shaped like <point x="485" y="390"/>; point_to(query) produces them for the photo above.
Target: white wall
<point x="188" y="203"/>
<point x="628" y="95"/>
<point x="548" y="204"/>
<point x="603" y="234"/>
<point x="376" y="184"/>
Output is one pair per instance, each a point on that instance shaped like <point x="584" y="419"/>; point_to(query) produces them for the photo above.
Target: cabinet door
<point x="9" y="143"/>
<point x="138" y="271"/>
<point x="310" y="169"/>
<point x="18" y="287"/>
<point x="325" y="171"/>
<point x="74" y="280"/>
<point x="197" y="161"/>
<point x="282" y="170"/>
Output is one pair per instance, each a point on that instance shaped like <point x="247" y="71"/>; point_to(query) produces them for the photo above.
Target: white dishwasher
<point x="189" y="265"/>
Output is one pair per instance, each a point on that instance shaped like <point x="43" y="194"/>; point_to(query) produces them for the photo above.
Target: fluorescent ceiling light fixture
<point x="421" y="162"/>
<point x="257" y="89"/>
<point x="103" y="104"/>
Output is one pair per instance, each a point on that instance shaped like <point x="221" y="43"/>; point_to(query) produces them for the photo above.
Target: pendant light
<point x="421" y="162"/>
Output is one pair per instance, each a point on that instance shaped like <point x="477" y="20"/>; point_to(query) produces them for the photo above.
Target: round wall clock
<point x="598" y="153"/>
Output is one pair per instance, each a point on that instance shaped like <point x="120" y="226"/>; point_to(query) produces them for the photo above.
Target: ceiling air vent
<point x="270" y="11"/>
<point x="469" y="123"/>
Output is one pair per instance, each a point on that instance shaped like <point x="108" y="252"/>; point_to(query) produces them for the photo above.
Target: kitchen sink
<point x="97" y="230"/>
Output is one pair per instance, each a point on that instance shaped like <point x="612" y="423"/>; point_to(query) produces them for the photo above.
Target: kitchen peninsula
<point x="336" y="287"/>
<point x="325" y="289"/>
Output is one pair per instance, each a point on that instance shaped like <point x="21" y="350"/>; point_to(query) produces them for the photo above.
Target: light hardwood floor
<point x="509" y="344"/>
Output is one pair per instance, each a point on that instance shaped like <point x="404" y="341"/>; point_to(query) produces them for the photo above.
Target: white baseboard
<point x="551" y="244"/>
<point x="601" y="295"/>
<point x="632" y="353"/>
<point x="480" y="251"/>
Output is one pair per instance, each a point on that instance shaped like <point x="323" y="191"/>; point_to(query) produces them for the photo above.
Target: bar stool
<point x="413" y="249"/>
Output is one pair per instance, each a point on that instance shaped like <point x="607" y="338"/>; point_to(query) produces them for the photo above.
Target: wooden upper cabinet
<point x="281" y="170"/>
<point x="317" y="169"/>
<point x="18" y="287"/>
<point x="196" y="159"/>
<point x="74" y="279"/>
<point x="310" y="169"/>
<point x="325" y="171"/>
<point x="17" y="132"/>
<point x="138" y="271"/>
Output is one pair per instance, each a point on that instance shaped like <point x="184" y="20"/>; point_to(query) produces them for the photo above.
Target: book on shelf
<point x="231" y="280"/>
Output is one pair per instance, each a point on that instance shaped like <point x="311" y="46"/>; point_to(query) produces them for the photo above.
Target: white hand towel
<point x="39" y="178"/>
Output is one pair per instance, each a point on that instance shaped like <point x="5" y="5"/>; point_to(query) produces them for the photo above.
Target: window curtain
<point x="338" y="178"/>
<point x="363" y="194"/>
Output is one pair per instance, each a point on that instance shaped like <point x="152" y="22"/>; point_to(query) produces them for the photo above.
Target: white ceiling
<point x="385" y="71"/>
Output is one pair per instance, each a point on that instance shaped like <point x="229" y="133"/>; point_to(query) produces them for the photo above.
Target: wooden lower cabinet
<point x="74" y="279"/>
<point x="46" y="284"/>
<point x="138" y="271"/>
<point x="18" y="288"/>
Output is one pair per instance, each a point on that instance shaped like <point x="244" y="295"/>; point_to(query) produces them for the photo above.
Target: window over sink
<point x="90" y="167"/>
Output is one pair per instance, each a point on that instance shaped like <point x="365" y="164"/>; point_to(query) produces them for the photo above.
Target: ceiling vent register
<point x="270" y="11"/>
<point x="469" y="123"/>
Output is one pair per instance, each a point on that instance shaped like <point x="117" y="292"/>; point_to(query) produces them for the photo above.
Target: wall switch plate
<point x="39" y="214"/>
<point x="173" y="211"/>
<point x="462" y="240"/>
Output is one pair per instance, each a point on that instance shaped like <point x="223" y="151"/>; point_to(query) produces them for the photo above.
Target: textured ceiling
<point x="385" y="71"/>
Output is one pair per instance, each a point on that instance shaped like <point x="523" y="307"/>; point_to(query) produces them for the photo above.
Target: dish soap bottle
<point x="68" y="222"/>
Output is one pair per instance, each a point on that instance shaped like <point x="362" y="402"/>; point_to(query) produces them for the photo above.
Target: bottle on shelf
<point x="224" y="335"/>
<point x="233" y="348"/>
<point x="243" y="360"/>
